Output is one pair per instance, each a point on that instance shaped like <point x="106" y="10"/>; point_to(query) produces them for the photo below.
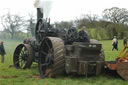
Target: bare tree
<point x="64" y="24"/>
<point x="31" y="24"/>
<point x="116" y="15"/>
<point x="88" y="20"/>
<point x="12" y="23"/>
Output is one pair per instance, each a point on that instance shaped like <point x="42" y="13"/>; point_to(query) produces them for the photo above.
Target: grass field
<point x="12" y="76"/>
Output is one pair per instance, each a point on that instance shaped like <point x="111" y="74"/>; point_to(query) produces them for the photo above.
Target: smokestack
<point x="49" y="21"/>
<point x="44" y="5"/>
<point x="39" y="14"/>
<point x="39" y="9"/>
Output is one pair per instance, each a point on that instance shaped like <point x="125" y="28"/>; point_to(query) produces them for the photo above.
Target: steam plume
<point x="45" y="6"/>
<point x="36" y="3"/>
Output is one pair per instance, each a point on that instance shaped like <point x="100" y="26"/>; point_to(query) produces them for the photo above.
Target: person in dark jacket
<point x="125" y="42"/>
<point x="2" y="51"/>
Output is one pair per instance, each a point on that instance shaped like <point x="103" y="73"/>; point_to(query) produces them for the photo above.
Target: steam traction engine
<point x="59" y="51"/>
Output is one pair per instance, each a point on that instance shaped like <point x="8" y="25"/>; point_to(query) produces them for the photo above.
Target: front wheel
<point x="22" y="57"/>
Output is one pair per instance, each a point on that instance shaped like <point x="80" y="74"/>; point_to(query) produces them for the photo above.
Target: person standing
<point x="26" y="41"/>
<point x="115" y="43"/>
<point x="125" y="42"/>
<point x="2" y="52"/>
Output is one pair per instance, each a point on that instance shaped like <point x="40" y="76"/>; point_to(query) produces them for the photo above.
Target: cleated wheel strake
<point x="51" y="57"/>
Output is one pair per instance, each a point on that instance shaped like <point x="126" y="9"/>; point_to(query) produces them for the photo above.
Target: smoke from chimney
<point x="36" y="3"/>
<point x="45" y="6"/>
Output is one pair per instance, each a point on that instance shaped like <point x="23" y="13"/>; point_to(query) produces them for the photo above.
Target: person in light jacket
<point x="115" y="43"/>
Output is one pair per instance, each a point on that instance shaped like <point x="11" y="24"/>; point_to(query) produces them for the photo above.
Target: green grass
<point x="14" y="76"/>
<point x="107" y="46"/>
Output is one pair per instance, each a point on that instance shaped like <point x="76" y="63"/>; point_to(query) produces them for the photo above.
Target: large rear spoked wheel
<point x="22" y="57"/>
<point x="51" y="57"/>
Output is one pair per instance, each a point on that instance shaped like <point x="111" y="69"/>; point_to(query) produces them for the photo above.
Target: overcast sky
<point x="63" y="9"/>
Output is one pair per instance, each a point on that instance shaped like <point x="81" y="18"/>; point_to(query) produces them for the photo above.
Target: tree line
<point x="113" y="22"/>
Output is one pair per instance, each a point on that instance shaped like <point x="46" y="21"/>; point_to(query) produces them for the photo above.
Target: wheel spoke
<point x="22" y="63"/>
<point x="47" y="44"/>
<point x="43" y="52"/>
<point x="50" y="50"/>
<point x="39" y="26"/>
<point x="20" y="55"/>
<point x="20" y="59"/>
<point x="22" y="52"/>
<point x="46" y="59"/>
<point x="43" y="44"/>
